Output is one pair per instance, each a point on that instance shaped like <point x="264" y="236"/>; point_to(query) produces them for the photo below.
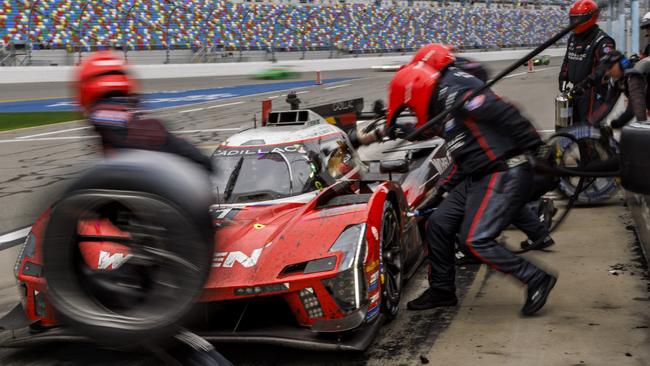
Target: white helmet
<point x="645" y="21"/>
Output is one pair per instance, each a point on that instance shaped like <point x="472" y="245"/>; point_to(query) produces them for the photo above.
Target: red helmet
<point x="582" y="8"/>
<point x="101" y="74"/>
<point x="412" y="88"/>
<point x="436" y="55"/>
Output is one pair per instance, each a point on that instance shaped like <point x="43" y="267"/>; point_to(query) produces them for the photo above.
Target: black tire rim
<point x="391" y="261"/>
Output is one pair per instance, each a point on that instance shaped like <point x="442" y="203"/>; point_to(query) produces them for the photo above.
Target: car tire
<point x="596" y="190"/>
<point x="162" y="202"/>
<point x="391" y="262"/>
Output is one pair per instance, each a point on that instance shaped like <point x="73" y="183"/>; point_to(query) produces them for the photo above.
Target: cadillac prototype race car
<point x="311" y="245"/>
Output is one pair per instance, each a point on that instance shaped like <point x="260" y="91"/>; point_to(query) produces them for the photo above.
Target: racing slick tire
<point x="392" y="278"/>
<point x="160" y="205"/>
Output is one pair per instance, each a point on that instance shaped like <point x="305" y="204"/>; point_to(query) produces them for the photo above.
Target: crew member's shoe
<point x="537" y="294"/>
<point x="433" y="299"/>
<point x="547" y="242"/>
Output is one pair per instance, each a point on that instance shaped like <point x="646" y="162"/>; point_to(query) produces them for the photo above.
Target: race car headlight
<point x="348" y="288"/>
<point x="26" y="250"/>
<point x="351" y="242"/>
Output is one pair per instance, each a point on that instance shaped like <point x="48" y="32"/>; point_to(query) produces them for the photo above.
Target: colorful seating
<point x="148" y="24"/>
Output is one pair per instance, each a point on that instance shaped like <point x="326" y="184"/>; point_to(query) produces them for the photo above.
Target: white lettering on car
<point x="228" y="259"/>
<point x="111" y="261"/>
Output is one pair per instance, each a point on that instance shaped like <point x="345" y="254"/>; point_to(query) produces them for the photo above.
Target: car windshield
<point x="249" y="175"/>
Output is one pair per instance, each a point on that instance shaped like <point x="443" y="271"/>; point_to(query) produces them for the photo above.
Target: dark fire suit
<point x="486" y="139"/>
<point x="584" y="52"/>
<point x="526" y="220"/>
<point x="122" y="127"/>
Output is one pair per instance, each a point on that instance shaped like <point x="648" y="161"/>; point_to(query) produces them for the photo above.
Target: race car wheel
<point x="589" y="147"/>
<point x="391" y="261"/>
<point x="153" y="241"/>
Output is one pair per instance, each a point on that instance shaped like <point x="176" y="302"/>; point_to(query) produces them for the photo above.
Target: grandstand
<point x="129" y="25"/>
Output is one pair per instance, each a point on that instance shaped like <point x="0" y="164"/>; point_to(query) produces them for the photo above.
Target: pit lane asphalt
<point x="32" y="172"/>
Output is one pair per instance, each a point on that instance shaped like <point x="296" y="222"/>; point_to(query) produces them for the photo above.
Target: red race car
<point x="312" y="245"/>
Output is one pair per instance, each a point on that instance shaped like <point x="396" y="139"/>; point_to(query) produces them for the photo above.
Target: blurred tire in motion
<point x="157" y="209"/>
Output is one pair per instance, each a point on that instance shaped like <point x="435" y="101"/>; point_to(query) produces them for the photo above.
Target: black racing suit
<point x="121" y="127"/>
<point x="526" y="220"/>
<point x="486" y="139"/>
<point x="584" y="52"/>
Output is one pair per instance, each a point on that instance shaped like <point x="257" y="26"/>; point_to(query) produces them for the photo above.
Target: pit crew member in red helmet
<point x="106" y="94"/>
<point x="586" y="47"/>
<point x="440" y="56"/>
<point x="487" y="139"/>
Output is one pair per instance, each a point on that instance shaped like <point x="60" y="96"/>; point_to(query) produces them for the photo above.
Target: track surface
<point x="36" y="164"/>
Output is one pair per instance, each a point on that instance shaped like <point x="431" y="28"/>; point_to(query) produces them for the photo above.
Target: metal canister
<point x="563" y="111"/>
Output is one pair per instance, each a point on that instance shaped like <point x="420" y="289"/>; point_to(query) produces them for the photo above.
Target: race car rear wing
<point x="342" y="114"/>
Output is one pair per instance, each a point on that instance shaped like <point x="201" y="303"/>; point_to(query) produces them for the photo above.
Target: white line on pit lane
<point x="52" y="133"/>
<point x="212" y="107"/>
<point x="51" y="139"/>
<point x="526" y="72"/>
<point x="336" y="86"/>
<point x="14" y="235"/>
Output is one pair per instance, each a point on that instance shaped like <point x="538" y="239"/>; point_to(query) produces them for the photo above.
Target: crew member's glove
<point x="561" y="85"/>
<point x="580" y="88"/>
<point x="616" y="123"/>
<point x="368" y="137"/>
<point x="400" y="130"/>
<point x="431" y="206"/>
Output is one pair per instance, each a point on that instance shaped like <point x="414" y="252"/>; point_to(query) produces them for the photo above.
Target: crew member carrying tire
<point x="488" y="139"/>
<point x="586" y="47"/>
<point x="156" y="194"/>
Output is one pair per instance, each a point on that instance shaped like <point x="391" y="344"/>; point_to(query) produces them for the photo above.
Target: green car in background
<point x="542" y="60"/>
<point x="276" y="72"/>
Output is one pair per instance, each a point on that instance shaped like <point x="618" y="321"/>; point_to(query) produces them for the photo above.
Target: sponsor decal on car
<point x="375" y="233"/>
<point x="228" y="259"/>
<point x="372" y="265"/>
<point x="111" y="261"/>
<point x="441" y="164"/>
<point x="296" y="148"/>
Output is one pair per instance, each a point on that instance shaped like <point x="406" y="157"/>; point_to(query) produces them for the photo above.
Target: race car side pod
<point x="441" y="116"/>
